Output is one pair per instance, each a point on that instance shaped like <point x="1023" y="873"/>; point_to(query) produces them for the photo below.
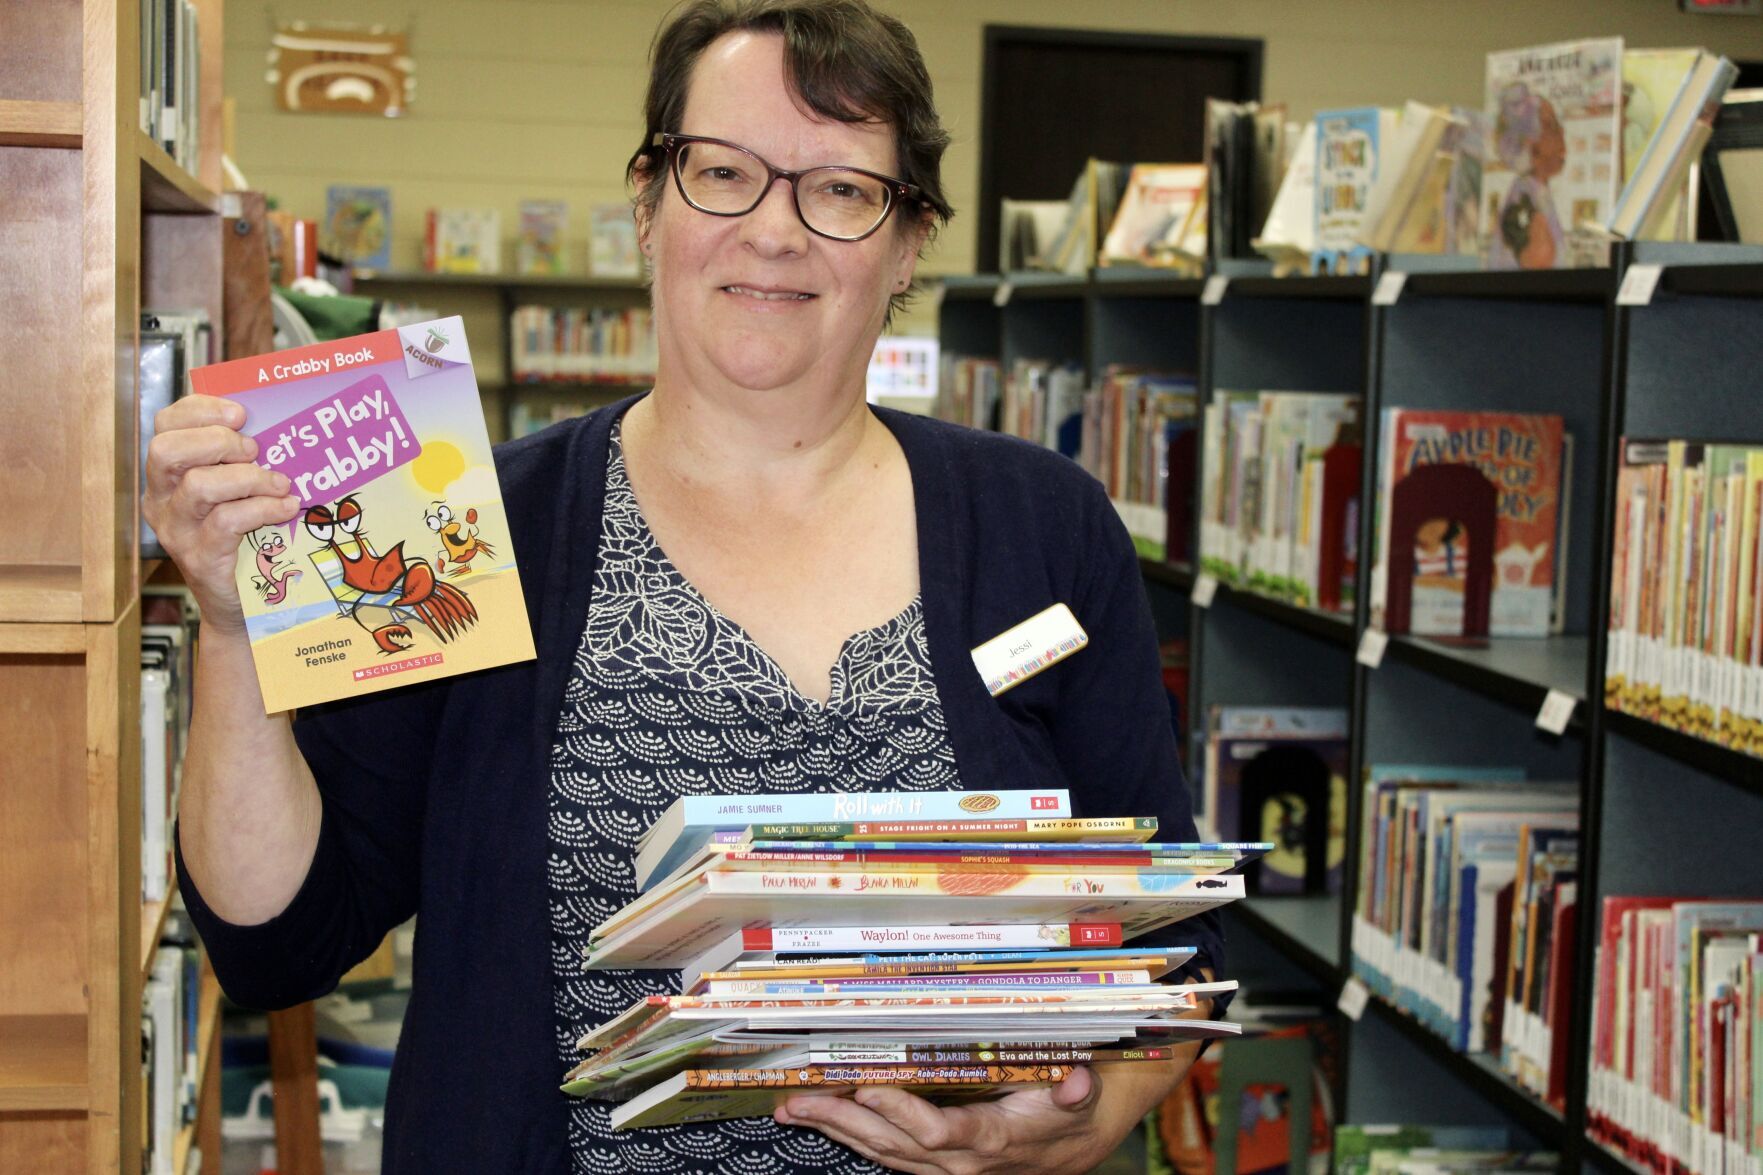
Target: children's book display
<point x="543" y="226"/>
<point x="1279" y="775"/>
<point x="1685" y="643"/>
<point x="399" y="567"/>
<point x="462" y="240"/>
<point x="1675" y="1081"/>
<point x="832" y="941"/>
<point x="1471" y="516"/>
<point x="1465" y="905"/>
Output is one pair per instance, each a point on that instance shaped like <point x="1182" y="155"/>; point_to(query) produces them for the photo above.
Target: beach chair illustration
<point x="350" y="601"/>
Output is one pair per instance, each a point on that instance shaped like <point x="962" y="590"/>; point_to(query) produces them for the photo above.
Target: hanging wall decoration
<point x="341" y="69"/>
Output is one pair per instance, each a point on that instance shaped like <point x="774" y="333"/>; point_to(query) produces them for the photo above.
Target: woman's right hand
<point x="204" y="492"/>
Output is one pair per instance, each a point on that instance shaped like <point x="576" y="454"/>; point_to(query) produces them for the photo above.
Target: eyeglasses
<point x="842" y="203"/>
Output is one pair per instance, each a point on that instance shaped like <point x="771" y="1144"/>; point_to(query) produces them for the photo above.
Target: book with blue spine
<point x="690" y="821"/>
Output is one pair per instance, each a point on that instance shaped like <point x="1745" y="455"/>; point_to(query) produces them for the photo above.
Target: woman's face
<point x="702" y="262"/>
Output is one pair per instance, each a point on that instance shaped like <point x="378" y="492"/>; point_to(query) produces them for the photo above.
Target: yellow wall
<point x="542" y="98"/>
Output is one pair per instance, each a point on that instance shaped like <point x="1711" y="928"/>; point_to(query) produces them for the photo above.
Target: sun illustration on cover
<point x="405" y="589"/>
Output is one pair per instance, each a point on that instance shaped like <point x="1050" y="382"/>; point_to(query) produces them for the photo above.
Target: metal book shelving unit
<point x="1661" y="812"/>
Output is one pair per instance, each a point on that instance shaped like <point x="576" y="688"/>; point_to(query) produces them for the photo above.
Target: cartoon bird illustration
<point x="458" y="544"/>
<point x="272" y="582"/>
<point x="443" y="608"/>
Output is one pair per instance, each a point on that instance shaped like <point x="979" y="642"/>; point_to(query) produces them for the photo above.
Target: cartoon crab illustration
<point x="441" y="607"/>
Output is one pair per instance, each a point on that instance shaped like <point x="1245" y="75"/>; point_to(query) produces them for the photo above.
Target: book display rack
<point x="1661" y="812"/>
<point x="96" y="221"/>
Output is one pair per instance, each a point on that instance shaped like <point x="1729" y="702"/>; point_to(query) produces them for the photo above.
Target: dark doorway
<point x="1053" y="98"/>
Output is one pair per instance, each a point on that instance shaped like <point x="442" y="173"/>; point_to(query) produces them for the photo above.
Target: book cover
<point x="1554" y="118"/>
<point x="543" y="225"/>
<point x="1651" y="79"/>
<point x="1159" y="199"/>
<point x="1347" y="153"/>
<point x="463" y="240"/>
<point x="1281" y="774"/>
<point x="399" y="568"/>
<point x="1469" y="507"/>
<point x="358" y="226"/>
<point x="612" y="242"/>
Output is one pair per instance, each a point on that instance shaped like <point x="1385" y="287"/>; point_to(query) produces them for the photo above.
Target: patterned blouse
<point x="668" y="698"/>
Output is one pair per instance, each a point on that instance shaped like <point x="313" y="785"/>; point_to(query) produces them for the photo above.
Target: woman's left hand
<point x="1068" y="1127"/>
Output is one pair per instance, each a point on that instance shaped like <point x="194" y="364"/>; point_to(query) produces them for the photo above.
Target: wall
<point x="542" y="98"/>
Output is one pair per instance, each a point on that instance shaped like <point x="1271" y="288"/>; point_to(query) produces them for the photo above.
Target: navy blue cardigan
<point x="435" y="794"/>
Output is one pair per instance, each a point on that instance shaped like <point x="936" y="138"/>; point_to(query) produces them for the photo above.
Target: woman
<point x="745" y="580"/>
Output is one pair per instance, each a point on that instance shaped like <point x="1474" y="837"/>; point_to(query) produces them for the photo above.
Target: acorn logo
<point x="979" y="802"/>
<point x="436" y="340"/>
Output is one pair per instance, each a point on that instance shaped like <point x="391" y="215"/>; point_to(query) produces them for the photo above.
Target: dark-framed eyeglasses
<point x="726" y="179"/>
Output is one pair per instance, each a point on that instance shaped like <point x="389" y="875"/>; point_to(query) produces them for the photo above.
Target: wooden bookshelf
<point x="1675" y="368"/>
<point x="96" y="221"/>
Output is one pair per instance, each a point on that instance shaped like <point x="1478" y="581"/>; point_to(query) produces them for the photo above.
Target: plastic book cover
<point x="399" y="568"/>
<point x="1554" y="162"/>
<point x="358" y="226"/>
<point x="1479" y="551"/>
<point x="543" y="224"/>
<point x="1651" y="79"/>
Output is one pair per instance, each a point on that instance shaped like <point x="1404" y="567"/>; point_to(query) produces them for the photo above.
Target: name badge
<point x="1018" y="653"/>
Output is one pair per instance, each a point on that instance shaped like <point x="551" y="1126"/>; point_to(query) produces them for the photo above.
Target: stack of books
<point x="969" y="948"/>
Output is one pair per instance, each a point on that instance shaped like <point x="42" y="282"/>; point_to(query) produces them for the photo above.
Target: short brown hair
<point x="843" y="59"/>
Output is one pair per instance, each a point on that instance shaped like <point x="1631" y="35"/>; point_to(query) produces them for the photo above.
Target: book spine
<point x="1146" y="883"/>
<point x="918" y="938"/>
<point x="858" y="1054"/>
<point x="1110" y="830"/>
<point x="736" y="812"/>
<point x="812" y="1075"/>
<point x="902" y="983"/>
<point x="971" y="862"/>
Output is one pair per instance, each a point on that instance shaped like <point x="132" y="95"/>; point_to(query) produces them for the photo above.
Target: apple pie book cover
<point x="399" y="567"/>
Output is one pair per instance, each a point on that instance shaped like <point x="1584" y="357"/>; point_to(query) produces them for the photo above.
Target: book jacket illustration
<point x="399" y="567"/>
<point x="1512" y="512"/>
<point x="1347" y="145"/>
<point x="1554" y="136"/>
<point x="358" y="226"/>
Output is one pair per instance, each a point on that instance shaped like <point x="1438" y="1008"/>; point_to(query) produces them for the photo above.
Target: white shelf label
<point x="1556" y="712"/>
<point x="1213" y="294"/>
<point x="1389" y="288"/>
<point x="1354" y="996"/>
<point x="1638" y="285"/>
<point x="1372" y="643"/>
<point x="1001" y="295"/>
<point x="1205" y="587"/>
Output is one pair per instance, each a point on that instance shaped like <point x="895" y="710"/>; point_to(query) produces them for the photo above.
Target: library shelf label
<point x="1354" y="996"/>
<point x="1213" y="294"/>
<point x="1001" y="295"/>
<point x="1372" y="643"/>
<point x="1556" y="711"/>
<point x="1638" y="285"/>
<point x="1389" y="288"/>
<point x="1205" y="587"/>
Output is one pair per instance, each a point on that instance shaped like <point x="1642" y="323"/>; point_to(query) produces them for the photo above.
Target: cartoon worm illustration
<point x="271" y="586"/>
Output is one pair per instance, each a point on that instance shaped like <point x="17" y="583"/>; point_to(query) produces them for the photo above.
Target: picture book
<point x="1158" y="201"/>
<point x="543" y="224"/>
<point x="690" y="821"/>
<point x="1468" y="525"/>
<point x="1554" y="161"/>
<point x="612" y="245"/>
<point x="1651" y="79"/>
<point x="1348" y="146"/>
<point x="462" y="240"/>
<point x="1280" y="774"/>
<point x="358" y="226"/>
<point x="399" y="568"/>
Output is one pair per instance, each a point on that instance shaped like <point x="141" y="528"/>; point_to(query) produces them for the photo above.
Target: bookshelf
<point x="96" y="221"/>
<point x="1661" y="812"/>
<point x="486" y="301"/>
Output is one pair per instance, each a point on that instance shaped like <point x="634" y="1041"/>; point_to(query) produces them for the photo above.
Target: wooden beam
<point x="293" y="1069"/>
<point x="39" y="124"/>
